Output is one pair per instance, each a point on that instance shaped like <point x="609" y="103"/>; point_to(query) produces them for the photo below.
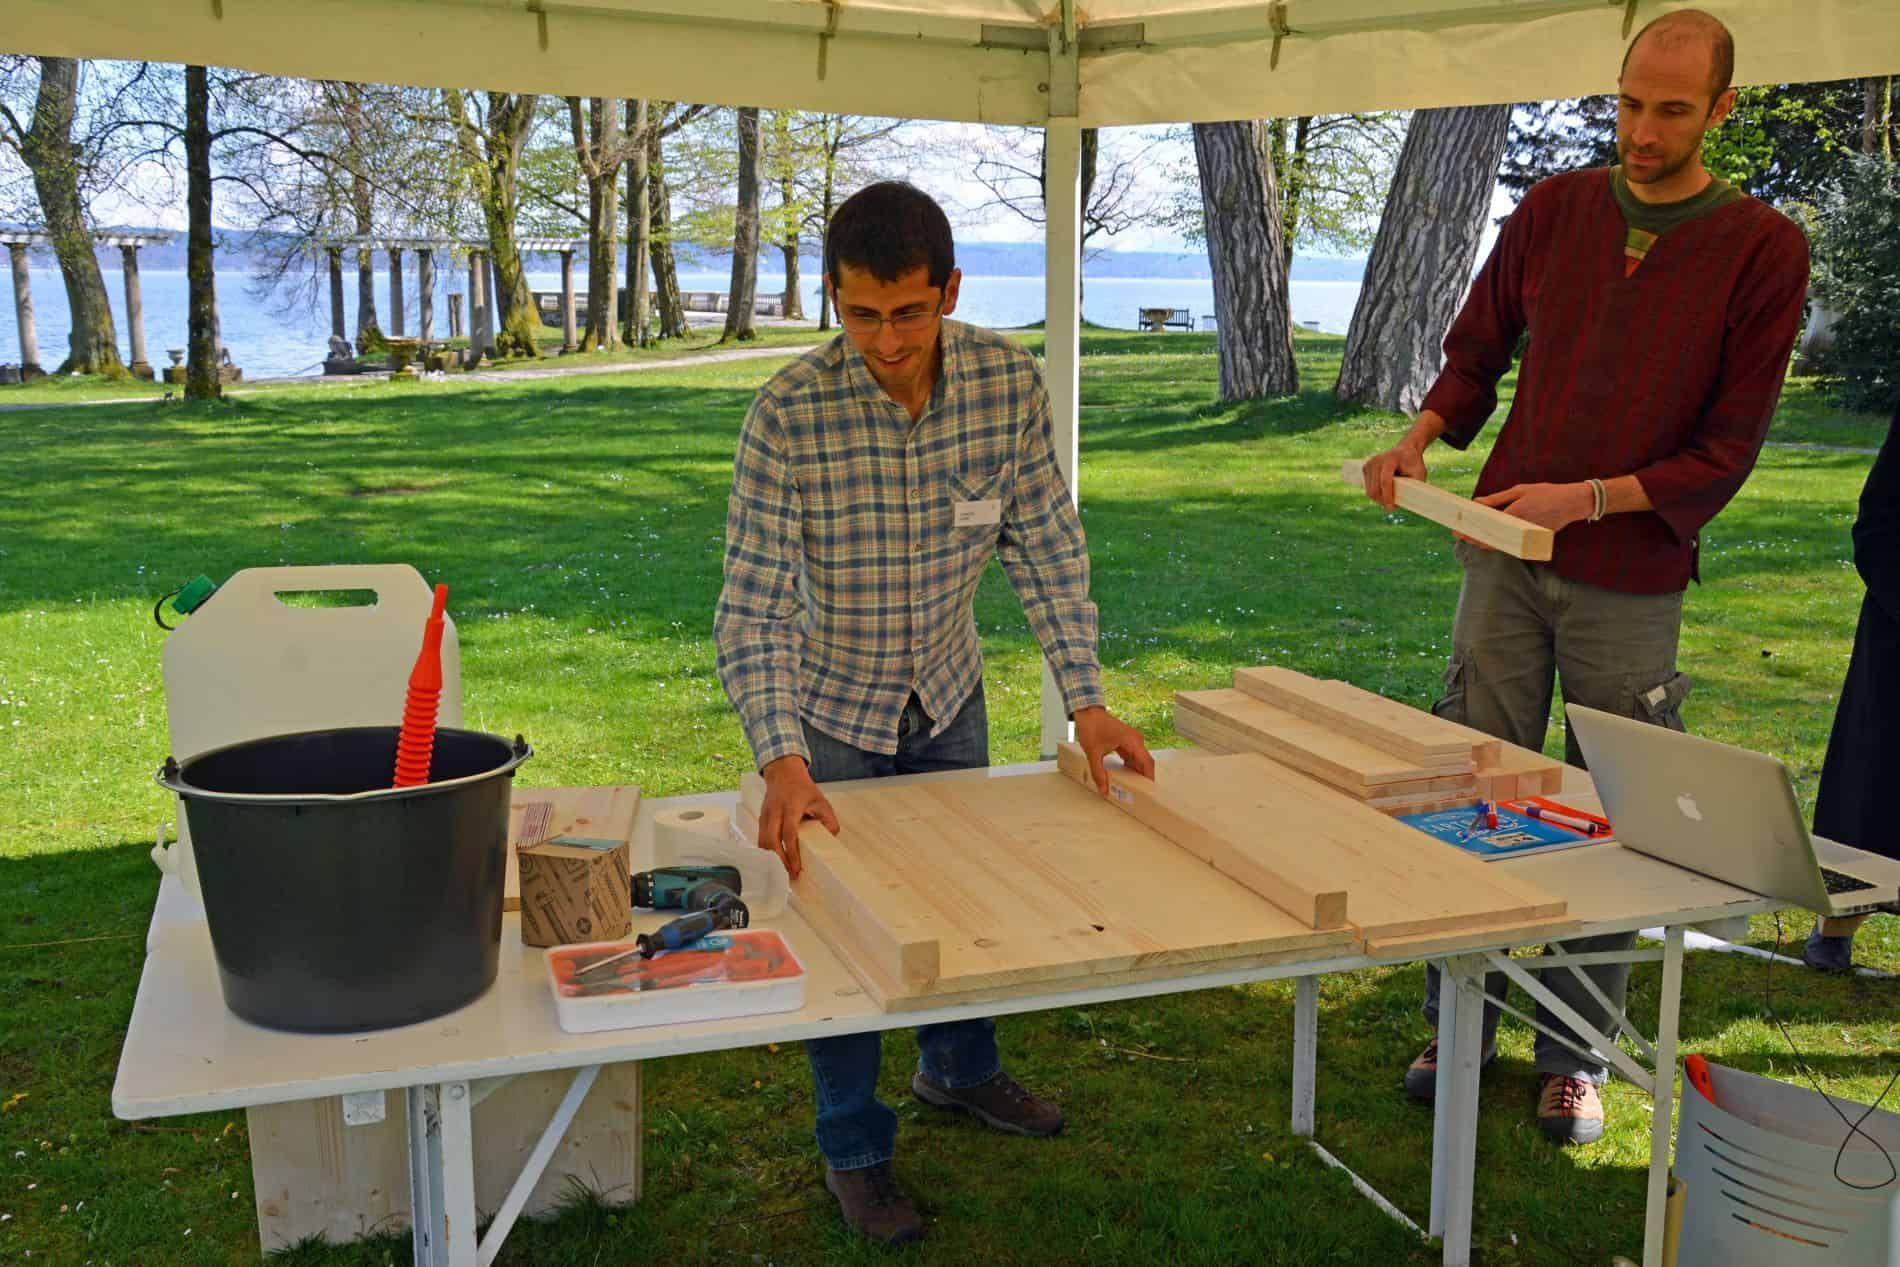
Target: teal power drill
<point x="709" y="896"/>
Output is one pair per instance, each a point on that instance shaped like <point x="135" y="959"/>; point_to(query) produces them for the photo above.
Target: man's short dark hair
<point x="888" y="229"/>
<point x="1685" y="26"/>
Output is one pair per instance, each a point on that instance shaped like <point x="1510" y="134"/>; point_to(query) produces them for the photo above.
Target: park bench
<point x="1158" y="319"/>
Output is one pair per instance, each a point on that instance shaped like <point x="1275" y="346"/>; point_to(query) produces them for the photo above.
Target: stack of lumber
<point x="1320" y="858"/>
<point x="1394" y="758"/>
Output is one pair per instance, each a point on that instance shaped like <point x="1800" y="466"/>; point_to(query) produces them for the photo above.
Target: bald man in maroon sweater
<point x="1662" y="304"/>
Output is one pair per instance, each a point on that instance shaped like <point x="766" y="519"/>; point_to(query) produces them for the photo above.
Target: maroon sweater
<point x="1670" y="374"/>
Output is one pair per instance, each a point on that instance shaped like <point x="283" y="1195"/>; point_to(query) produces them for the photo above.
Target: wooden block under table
<point x="312" y="1174"/>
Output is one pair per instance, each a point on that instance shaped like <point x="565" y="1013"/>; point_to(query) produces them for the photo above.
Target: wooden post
<point x="336" y="294"/>
<point x="135" y="311"/>
<point x="395" y="291"/>
<point x="567" y="301"/>
<point x="425" y="294"/>
<point x="23" y="313"/>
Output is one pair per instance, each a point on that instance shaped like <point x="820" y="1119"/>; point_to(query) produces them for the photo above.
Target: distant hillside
<point x="979" y="259"/>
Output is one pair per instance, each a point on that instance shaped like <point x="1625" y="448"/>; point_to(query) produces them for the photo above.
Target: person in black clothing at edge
<point x="1864" y="749"/>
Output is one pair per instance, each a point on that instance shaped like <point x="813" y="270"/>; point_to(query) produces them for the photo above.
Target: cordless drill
<point x="709" y="895"/>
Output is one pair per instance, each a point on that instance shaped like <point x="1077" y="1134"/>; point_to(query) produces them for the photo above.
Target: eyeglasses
<point x="903" y="322"/>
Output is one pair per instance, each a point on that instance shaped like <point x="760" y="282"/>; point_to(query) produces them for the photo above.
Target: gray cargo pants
<point x="1518" y="625"/>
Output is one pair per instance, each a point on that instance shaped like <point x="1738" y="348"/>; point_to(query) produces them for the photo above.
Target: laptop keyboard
<point x="1841" y="882"/>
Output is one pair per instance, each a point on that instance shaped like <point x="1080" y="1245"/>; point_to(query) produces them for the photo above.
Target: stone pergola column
<point x="336" y="294"/>
<point x="425" y="293"/>
<point x="395" y="291"/>
<point x="567" y="301"/>
<point x="23" y="314"/>
<point x="477" y="316"/>
<point x="134" y="310"/>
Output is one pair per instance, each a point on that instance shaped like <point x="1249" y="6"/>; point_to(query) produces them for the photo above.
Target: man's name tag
<point x="988" y="510"/>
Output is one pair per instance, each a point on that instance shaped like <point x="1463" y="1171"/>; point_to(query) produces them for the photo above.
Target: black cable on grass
<point x="160" y="606"/>
<point x="1801" y="1062"/>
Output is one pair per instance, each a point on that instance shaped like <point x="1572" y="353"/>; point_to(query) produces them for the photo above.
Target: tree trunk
<point x="829" y="199"/>
<point x="1876" y="116"/>
<point x="369" y="331"/>
<point x="201" y="303"/>
<point x="49" y="153"/>
<point x="600" y="165"/>
<point x="638" y="330"/>
<point x="786" y="164"/>
<point x="666" y="278"/>
<point x="1434" y="216"/>
<point x="510" y="118"/>
<point x="1248" y="261"/>
<point x="745" y="232"/>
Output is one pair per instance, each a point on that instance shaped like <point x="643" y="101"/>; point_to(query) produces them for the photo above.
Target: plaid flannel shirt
<point x="851" y="570"/>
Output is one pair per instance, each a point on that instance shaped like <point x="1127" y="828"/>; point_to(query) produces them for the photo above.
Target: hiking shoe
<point x="874" y="1205"/>
<point x="1002" y="1103"/>
<point x="1569" y="1109"/>
<point x="1828" y="954"/>
<point x="1421" y="1077"/>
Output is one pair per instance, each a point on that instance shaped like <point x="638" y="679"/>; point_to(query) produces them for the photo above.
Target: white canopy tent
<point x="1063" y="68"/>
<point x="1111" y="63"/>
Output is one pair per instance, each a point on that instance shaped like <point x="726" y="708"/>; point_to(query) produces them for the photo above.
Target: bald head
<point x="1686" y="32"/>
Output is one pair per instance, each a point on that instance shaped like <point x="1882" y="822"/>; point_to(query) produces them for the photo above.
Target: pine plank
<point x="1397" y="728"/>
<point x="538" y="813"/>
<point x="1289" y="882"/>
<point x="1307" y="746"/>
<point x="1510" y="932"/>
<point x="1516" y="537"/>
<point x="1219" y="738"/>
<point x="1027" y="883"/>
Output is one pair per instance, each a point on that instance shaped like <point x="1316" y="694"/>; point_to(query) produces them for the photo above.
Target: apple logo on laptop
<point x="1690" y="810"/>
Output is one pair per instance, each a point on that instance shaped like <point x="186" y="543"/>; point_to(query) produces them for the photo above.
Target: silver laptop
<point x="1705" y="806"/>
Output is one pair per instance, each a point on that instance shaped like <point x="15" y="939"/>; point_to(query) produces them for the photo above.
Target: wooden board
<point x="1024" y="883"/>
<point x="1310" y="747"/>
<point x="1515" y="933"/>
<point x="606" y="813"/>
<point x="1398" y="881"/>
<point x="1517" y="537"/>
<point x="1397" y="728"/>
<point x="1292" y="883"/>
<point x="1219" y="737"/>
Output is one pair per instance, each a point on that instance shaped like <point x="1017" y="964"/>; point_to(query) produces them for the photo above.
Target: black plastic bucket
<point x="336" y="902"/>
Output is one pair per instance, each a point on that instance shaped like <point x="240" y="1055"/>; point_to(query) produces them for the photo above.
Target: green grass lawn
<point x="578" y="524"/>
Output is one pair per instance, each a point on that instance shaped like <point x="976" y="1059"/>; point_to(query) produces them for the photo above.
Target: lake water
<point x="266" y="341"/>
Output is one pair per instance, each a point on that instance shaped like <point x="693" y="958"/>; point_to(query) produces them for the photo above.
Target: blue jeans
<point x="855" y="1128"/>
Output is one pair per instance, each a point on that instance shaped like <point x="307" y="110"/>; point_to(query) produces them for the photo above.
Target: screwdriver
<point x="725" y="911"/>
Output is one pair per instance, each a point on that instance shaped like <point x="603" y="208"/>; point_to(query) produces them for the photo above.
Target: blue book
<point x="1515" y="836"/>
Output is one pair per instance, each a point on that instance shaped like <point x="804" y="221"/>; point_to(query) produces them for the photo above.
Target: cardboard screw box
<point x="575" y="889"/>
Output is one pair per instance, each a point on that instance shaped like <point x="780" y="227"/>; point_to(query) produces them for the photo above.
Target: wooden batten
<point x="1372" y="719"/>
<point x="1516" y="537"/>
<point x="1293" y="886"/>
<point x="1310" y="747"/>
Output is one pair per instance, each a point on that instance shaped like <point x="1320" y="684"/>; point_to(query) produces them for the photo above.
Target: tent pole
<point x="1062" y="274"/>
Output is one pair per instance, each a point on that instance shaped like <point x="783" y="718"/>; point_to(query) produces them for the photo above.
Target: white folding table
<point x="186" y="1053"/>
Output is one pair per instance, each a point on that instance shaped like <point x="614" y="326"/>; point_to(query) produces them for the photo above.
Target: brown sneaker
<point x="1569" y="1109"/>
<point x="1421" y="1076"/>
<point x="1002" y="1103"/>
<point x="874" y="1205"/>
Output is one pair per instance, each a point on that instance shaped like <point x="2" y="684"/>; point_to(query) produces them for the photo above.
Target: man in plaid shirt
<point x="1661" y="305"/>
<point x="875" y="477"/>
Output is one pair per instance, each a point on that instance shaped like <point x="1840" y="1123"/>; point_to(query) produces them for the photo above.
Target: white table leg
<point x="441" y="1176"/>
<point x="1455" y="1109"/>
<point x="1662" y="1123"/>
<point x="1305" y="1052"/>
